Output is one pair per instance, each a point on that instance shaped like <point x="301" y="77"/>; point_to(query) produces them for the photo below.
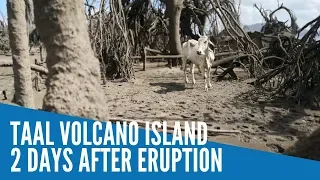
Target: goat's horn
<point x="212" y="43"/>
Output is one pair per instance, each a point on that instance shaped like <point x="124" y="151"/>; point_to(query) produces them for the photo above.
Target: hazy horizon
<point x="249" y="15"/>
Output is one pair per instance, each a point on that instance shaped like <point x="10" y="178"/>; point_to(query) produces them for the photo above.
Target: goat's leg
<point x="186" y="76"/>
<point x="205" y="78"/>
<point x="209" y="78"/>
<point x="184" y="63"/>
<point x="184" y="66"/>
<point x="199" y="70"/>
<point x="192" y="72"/>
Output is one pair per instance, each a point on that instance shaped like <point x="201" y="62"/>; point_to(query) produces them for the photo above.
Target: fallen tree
<point x="298" y="77"/>
<point x="34" y="67"/>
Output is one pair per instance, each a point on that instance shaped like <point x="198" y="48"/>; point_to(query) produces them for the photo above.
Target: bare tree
<point x="173" y="11"/>
<point x="73" y="84"/>
<point x="17" y="25"/>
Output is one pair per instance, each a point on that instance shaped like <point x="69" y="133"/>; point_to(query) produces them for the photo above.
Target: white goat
<point x="200" y="55"/>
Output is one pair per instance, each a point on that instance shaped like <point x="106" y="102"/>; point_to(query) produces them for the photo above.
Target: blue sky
<point x="3" y="8"/>
<point x="304" y="10"/>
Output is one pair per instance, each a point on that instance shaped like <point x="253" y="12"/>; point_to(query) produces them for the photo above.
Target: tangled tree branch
<point x="230" y="19"/>
<point x="272" y="25"/>
<point x="299" y="75"/>
<point x="111" y="40"/>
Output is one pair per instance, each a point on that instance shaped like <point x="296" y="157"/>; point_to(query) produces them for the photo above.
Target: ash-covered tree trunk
<point x="173" y="11"/>
<point x="29" y="15"/>
<point x="17" y="26"/>
<point x="73" y="84"/>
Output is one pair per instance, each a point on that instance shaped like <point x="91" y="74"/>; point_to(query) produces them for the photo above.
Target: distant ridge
<point x="258" y="26"/>
<point x="253" y="27"/>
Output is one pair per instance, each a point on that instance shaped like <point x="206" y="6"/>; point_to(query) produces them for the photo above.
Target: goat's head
<point x="203" y="43"/>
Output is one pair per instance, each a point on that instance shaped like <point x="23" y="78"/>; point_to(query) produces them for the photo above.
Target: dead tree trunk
<point x="17" y="25"/>
<point x="174" y="8"/>
<point x="73" y="83"/>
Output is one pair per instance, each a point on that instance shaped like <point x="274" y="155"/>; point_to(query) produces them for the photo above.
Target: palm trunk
<point x="174" y="8"/>
<point x="17" y="26"/>
<point x="73" y="84"/>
